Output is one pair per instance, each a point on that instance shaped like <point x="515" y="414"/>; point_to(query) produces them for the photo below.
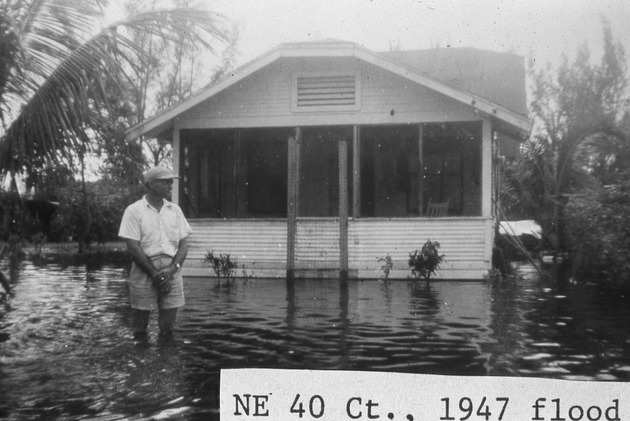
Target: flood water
<point x="66" y="350"/>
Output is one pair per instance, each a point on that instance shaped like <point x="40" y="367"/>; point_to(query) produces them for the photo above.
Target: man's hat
<point x="158" y="173"/>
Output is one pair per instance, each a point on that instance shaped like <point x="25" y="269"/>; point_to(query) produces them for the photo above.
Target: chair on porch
<point x="437" y="209"/>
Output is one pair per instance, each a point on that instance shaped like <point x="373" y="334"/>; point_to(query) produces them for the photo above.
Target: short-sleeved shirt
<point x="158" y="232"/>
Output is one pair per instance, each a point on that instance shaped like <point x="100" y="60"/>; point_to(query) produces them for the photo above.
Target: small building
<point x="317" y="159"/>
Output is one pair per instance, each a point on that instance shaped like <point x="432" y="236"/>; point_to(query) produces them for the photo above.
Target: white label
<point x="258" y="394"/>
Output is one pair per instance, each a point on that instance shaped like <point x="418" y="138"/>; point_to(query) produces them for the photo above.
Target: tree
<point x="174" y="73"/>
<point x="56" y="66"/>
<point x="577" y="114"/>
<point x="58" y="76"/>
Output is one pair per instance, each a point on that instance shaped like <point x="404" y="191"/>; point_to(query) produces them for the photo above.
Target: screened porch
<point x="389" y="171"/>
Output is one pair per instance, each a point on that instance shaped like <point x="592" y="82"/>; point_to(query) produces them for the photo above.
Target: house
<point x="316" y="159"/>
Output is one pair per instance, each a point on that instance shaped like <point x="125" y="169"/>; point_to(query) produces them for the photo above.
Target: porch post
<point x="343" y="209"/>
<point x="420" y="169"/>
<point x="292" y="200"/>
<point x="486" y="172"/>
<point x="238" y="165"/>
<point x="356" y="172"/>
<point x="176" y="164"/>
<point x="486" y="186"/>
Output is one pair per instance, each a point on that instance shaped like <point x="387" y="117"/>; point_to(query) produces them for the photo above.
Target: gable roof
<point x="498" y="77"/>
<point x="431" y="68"/>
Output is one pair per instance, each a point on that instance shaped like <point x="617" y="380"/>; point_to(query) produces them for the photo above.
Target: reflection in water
<point x="66" y="348"/>
<point x="344" y="324"/>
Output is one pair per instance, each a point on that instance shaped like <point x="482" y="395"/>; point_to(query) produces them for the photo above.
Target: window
<point x="326" y="91"/>
<point x="234" y="173"/>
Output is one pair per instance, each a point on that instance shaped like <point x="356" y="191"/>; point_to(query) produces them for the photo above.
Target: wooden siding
<point x="317" y="244"/>
<point x="259" y="247"/>
<point x="265" y="99"/>
<point x="463" y="241"/>
<point x="254" y="244"/>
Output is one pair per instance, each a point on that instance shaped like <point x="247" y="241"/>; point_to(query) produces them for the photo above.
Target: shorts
<point x="144" y="296"/>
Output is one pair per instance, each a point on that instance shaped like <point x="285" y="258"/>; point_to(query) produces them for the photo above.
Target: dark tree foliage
<point x="598" y="226"/>
<point x="54" y="90"/>
<point x="572" y="176"/>
<point x="578" y="141"/>
<point x="64" y="78"/>
<point x="98" y="222"/>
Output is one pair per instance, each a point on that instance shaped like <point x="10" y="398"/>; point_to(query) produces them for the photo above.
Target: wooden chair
<point x="436" y="210"/>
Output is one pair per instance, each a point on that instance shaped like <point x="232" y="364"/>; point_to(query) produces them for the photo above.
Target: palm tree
<point x="58" y="64"/>
<point x="576" y="112"/>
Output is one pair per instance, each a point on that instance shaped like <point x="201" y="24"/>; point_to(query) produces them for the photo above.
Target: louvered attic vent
<point x="326" y="92"/>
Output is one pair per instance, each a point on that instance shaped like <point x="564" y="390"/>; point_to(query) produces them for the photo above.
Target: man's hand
<point x="162" y="282"/>
<point x="162" y="278"/>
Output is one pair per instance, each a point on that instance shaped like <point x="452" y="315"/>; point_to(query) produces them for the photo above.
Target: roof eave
<point x="513" y="122"/>
<point x="164" y="120"/>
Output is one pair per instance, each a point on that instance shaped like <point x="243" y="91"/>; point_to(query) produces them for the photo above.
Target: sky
<point x="541" y="29"/>
<point x="532" y="28"/>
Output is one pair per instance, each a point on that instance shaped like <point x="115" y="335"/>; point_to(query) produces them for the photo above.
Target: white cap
<point x="158" y="173"/>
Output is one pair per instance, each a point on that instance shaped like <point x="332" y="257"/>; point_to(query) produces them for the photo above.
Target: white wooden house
<point x="316" y="159"/>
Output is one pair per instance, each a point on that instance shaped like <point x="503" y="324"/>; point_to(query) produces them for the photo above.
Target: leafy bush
<point x="424" y="263"/>
<point x="106" y="202"/>
<point x="222" y="265"/>
<point x="16" y="246"/>
<point x="598" y="227"/>
<point x="38" y="241"/>
<point x="386" y="265"/>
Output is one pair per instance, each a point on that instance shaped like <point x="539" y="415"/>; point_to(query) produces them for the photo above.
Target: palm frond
<point x="66" y="99"/>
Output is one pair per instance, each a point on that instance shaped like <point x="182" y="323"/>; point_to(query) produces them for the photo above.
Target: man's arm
<point x="141" y="259"/>
<point x="182" y="252"/>
<point x="170" y="270"/>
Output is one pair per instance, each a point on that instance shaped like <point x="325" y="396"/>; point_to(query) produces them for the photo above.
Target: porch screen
<point x="229" y="173"/>
<point x="452" y="166"/>
<point x="390" y="168"/>
<point x="393" y="183"/>
<point x="319" y="170"/>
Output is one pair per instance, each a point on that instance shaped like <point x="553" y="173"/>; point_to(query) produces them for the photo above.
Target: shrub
<point x="106" y="200"/>
<point x="16" y="246"/>
<point x="423" y="264"/>
<point x="222" y="265"/>
<point x="38" y="241"/>
<point x="386" y="265"/>
<point x="598" y="229"/>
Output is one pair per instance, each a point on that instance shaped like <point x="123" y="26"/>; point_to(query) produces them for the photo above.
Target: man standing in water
<point x="156" y="233"/>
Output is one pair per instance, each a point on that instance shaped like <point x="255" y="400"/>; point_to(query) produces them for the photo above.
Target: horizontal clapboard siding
<point x="460" y="239"/>
<point x="260" y="246"/>
<point x="465" y="243"/>
<point x="251" y="243"/>
<point x="317" y="244"/>
<point x="268" y="98"/>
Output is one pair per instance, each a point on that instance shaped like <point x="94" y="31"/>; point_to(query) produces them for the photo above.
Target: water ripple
<point x="66" y="350"/>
